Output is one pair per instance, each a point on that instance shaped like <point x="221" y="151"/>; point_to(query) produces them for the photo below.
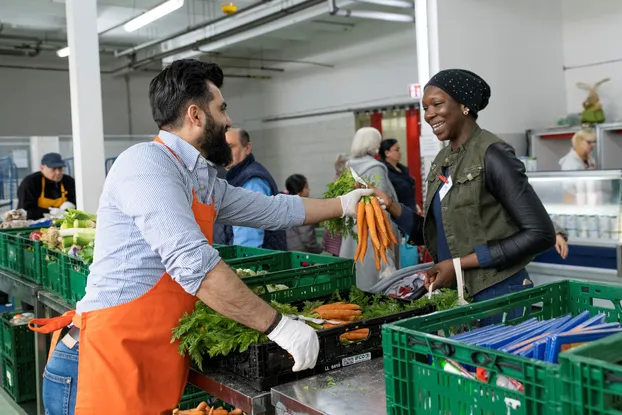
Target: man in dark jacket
<point x="47" y="189"/>
<point x="249" y="174"/>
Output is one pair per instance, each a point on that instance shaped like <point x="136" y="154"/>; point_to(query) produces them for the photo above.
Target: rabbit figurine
<point x="592" y="109"/>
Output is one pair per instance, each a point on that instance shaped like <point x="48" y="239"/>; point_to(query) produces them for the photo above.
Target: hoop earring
<point x="466" y="111"/>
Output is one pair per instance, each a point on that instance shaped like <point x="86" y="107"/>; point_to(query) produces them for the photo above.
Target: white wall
<point x="374" y="63"/>
<point x="515" y="47"/>
<point x="592" y="31"/>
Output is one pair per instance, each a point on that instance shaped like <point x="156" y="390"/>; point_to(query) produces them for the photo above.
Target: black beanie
<point x="465" y="87"/>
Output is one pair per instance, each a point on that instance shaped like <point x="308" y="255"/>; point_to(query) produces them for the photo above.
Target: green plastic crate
<point x="306" y="275"/>
<point x="20" y="254"/>
<point x="19" y="380"/>
<point x="76" y="273"/>
<point x="415" y="387"/>
<point x="232" y="252"/>
<point x="591" y="377"/>
<point x="52" y="277"/>
<point x="18" y="342"/>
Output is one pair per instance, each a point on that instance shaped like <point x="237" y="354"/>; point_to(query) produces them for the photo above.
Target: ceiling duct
<point x="376" y="15"/>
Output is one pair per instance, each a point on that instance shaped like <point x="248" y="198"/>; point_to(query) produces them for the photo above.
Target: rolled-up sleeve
<point x="241" y="207"/>
<point x="150" y="188"/>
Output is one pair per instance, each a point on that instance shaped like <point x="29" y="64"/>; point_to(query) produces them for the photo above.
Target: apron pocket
<point x="58" y="396"/>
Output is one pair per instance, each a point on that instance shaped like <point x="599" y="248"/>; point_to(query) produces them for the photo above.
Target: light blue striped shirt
<point x="145" y="224"/>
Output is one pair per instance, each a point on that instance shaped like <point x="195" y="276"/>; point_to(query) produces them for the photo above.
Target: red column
<point x="376" y="120"/>
<point x="413" y="150"/>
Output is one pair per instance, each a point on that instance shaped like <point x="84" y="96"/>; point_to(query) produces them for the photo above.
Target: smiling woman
<point x="480" y="207"/>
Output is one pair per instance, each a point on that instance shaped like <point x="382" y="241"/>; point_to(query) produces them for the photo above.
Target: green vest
<point x="471" y="215"/>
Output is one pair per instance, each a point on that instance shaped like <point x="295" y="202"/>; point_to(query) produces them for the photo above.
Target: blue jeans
<point x="60" y="381"/>
<point x="511" y="285"/>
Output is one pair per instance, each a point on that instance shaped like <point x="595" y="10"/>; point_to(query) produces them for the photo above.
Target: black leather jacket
<point x="505" y="180"/>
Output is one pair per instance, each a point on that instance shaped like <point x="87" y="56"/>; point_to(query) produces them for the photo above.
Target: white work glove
<point x="299" y="340"/>
<point x="56" y="213"/>
<point x="350" y="201"/>
<point x="67" y="205"/>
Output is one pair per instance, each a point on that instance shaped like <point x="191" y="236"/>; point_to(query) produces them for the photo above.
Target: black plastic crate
<point x="266" y="365"/>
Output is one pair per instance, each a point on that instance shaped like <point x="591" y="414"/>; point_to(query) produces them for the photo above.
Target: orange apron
<point x="127" y="360"/>
<point x="45" y="203"/>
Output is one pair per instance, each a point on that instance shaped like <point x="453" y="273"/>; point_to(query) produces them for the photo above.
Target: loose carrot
<point x="360" y="224"/>
<point x="360" y="334"/>
<point x="338" y="307"/>
<point x="236" y="411"/>
<point x="221" y="412"/>
<point x="371" y="224"/>
<point x="339" y="314"/>
<point x="211" y="411"/>
<point x="330" y="326"/>
<point x="175" y="411"/>
<point x="191" y="412"/>
<point x="202" y="406"/>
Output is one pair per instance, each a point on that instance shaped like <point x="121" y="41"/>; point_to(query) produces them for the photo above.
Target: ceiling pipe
<point x="402" y="4"/>
<point x="397" y="106"/>
<point x="187" y="30"/>
<point x="364" y="14"/>
<point x="246" y="58"/>
<point x="113" y="71"/>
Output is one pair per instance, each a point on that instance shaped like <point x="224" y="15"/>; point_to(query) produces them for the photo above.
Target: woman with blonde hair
<point x="365" y="146"/>
<point x="578" y="158"/>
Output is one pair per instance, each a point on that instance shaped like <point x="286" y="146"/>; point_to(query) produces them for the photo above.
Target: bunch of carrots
<point x="205" y="409"/>
<point x="372" y="221"/>
<point x="344" y="314"/>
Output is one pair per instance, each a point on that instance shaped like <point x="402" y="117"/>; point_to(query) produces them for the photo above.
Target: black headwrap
<point x="465" y="87"/>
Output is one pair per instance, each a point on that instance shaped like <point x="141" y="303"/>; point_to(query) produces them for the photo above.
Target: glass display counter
<point x="589" y="205"/>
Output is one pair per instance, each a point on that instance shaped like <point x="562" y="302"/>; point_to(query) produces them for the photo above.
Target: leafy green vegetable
<point x="344" y="226"/>
<point x="445" y="300"/>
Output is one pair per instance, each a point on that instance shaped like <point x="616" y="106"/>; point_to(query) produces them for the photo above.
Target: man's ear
<point x="193" y="114"/>
<point x="249" y="148"/>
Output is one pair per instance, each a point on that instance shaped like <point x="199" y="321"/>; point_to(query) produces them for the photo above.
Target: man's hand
<point x="443" y="275"/>
<point x="561" y="246"/>
<point x="299" y="340"/>
<point x="349" y="202"/>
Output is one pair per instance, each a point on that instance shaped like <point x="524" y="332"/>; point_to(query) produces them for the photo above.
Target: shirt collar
<point x="188" y="155"/>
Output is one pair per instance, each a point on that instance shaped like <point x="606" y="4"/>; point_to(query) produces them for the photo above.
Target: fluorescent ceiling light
<point x="63" y="53"/>
<point x="153" y="15"/>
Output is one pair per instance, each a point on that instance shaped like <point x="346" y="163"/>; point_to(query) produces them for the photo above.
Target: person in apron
<point x="153" y="259"/>
<point x="48" y="190"/>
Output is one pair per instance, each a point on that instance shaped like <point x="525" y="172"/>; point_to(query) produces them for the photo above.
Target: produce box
<point x="18" y="342"/>
<point x="287" y="277"/>
<point x="414" y="386"/>
<point x="192" y="397"/>
<point x="19" y="380"/>
<point x="52" y="277"/>
<point x="75" y="273"/>
<point x="232" y="252"/>
<point x="21" y="255"/>
<point x="591" y="378"/>
<point x="265" y="365"/>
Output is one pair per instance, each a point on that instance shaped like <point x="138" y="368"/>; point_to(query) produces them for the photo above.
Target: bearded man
<point x="154" y="259"/>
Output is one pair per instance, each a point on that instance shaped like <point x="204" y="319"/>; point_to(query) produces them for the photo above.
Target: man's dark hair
<point x="244" y="137"/>
<point x="180" y="84"/>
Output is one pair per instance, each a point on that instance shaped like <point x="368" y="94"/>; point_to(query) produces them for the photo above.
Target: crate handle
<point x="499" y="365"/>
<point x="611" y="377"/>
<point x="445" y="348"/>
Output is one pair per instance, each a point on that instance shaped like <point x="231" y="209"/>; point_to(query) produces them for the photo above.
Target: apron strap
<point x="52" y="325"/>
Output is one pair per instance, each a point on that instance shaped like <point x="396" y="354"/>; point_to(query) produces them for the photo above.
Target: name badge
<point x="445" y="189"/>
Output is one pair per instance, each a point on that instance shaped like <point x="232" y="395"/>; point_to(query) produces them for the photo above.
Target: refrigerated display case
<point x="588" y="205"/>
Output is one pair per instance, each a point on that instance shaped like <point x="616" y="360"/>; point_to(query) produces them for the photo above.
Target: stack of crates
<point x="21" y="255"/>
<point x="18" y="359"/>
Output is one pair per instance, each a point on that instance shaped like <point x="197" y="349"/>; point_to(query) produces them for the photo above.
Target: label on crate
<point x="352" y="360"/>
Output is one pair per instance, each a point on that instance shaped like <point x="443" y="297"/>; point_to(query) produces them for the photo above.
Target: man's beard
<point x="214" y="144"/>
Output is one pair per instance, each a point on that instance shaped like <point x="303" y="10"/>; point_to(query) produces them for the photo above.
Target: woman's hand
<point x="391" y="206"/>
<point x="561" y="246"/>
<point x="443" y="275"/>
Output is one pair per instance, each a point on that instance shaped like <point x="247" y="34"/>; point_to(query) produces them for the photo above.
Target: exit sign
<point x="414" y="91"/>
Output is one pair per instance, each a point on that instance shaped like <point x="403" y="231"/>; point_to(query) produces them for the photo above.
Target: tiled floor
<point x="7" y="406"/>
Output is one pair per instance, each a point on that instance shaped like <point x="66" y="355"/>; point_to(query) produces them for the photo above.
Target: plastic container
<point x="413" y="386"/>
<point x="19" y="380"/>
<point x="18" y="342"/>
<point x="20" y="254"/>
<point x="591" y="378"/>
<point x="192" y="397"/>
<point x="76" y="273"/>
<point x="52" y="277"/>
<point x="231" y="252"/>
<point x="306" y="275"/>
<point x="267" y="365"/>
